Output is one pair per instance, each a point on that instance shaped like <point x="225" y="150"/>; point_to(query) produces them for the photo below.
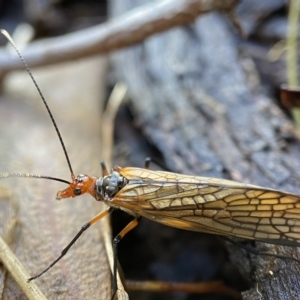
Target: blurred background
<point x="203" y="81"/>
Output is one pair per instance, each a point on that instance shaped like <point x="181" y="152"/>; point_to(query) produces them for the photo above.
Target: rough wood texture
<point x="201" y="105"/>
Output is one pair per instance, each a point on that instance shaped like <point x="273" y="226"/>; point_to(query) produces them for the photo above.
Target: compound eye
<point x="77" y="191"/>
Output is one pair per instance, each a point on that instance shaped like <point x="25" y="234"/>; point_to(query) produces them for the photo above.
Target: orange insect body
<point x="209" y="205"/>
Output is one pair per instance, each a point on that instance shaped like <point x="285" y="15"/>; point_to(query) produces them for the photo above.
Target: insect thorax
<point x="108" y="186"/>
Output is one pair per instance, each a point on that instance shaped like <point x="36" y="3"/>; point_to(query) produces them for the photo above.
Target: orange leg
<point x="116" y="240"/>
<point x="82" y="230"/>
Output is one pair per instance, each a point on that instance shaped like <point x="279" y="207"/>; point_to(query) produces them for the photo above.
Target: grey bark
<point x="201" y="103"/>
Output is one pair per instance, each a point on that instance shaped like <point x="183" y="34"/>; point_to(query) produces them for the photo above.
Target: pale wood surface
<point x="29" y="143"/>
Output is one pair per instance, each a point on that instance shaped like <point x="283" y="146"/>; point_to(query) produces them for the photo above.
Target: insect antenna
<point x="6" y="34"/>
<point x="29" y="175"/>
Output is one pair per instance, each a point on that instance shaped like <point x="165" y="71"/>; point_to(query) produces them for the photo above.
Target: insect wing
<point x="212" y="205"/>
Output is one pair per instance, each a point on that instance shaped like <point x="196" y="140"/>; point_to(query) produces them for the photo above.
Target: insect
<point x="209" y="205"/>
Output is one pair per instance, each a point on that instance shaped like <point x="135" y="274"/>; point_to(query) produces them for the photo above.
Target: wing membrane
<point x="212" y="205"/>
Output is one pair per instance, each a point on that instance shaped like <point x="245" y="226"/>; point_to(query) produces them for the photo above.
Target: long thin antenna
<point x="29" y="175"/>
<point x="6" y="34"/>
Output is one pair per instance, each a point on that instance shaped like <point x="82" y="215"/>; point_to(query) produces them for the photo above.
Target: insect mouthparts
<point x="80" y="185"/>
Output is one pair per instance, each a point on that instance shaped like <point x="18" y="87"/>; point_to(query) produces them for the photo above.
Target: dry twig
<point x="129" y="29"/>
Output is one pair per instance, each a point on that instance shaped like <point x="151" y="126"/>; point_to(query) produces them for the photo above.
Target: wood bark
<point x="200" y="102"/>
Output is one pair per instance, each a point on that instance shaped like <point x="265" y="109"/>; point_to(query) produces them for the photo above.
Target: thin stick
<point x="292" y="35"/>
<point x="19" y="273"/>
<point x="214" y="287"/>
<point x="117" y="96"/>
<point x="8" y="233"/>
<point x="130" y="28"/>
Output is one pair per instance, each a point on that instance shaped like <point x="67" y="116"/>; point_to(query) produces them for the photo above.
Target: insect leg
<point x="82" y="230"/>
<point x="157" y="162"/>
<point x="147" y="163"/>
<point x="104" y="169"/>
<point x="116" y="240"/>
<point x="257" y="252"/>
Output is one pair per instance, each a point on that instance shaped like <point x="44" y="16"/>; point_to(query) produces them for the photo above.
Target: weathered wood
<point x="196" y="101"/>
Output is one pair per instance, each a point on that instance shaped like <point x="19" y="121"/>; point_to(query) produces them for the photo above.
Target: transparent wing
<point x="212" y="205"/>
